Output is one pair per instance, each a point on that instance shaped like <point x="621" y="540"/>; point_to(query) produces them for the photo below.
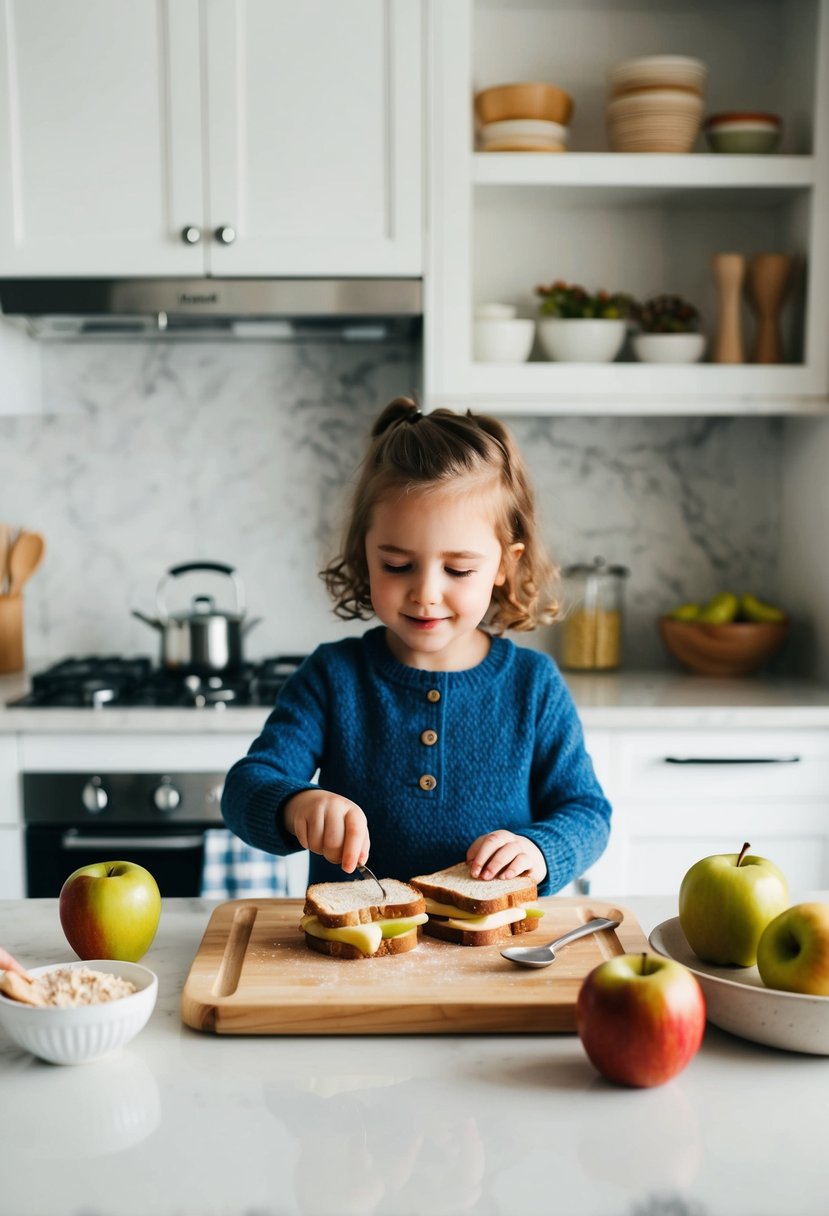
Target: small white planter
<point x="508" y="340"/>
<point x="581" y="340"/>
<point x="669" y="348"/>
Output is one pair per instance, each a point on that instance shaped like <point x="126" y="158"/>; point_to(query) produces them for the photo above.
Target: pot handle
<point x="186" y="568"/>
<point x="148" y="620"/>
<point x="248" y="625"/>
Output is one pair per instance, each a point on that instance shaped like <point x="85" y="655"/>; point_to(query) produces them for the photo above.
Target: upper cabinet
<point x="221" y="137"/>
<point x="641" y="223"/>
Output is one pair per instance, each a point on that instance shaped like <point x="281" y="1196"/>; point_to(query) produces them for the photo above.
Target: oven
<point x="158" y="820"/>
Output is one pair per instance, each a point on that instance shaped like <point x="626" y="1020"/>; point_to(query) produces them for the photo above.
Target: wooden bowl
<point x="723" y="650"/>
<point x="533" y="100"/>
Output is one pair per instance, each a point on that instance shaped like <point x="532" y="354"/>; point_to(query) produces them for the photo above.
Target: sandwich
<point x="353" y="920"/>
<point x="474" y="912"/>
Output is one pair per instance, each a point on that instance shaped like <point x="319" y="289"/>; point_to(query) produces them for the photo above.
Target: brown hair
<point x="411" y="452"/>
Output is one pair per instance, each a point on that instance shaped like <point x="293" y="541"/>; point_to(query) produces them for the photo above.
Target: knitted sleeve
<point x="571" y="814"/>
<point x="280" y="763"/>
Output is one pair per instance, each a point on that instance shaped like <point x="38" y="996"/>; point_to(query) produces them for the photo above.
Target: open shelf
<point x="642" y="171"/>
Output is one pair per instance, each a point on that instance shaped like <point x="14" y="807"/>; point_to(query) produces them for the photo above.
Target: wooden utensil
<point x="729" y="271"/>
<point x="768" y="279"/>
<point x="25" y="557"/>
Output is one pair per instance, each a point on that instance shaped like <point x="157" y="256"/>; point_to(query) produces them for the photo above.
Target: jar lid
<point x="598" y="566"/>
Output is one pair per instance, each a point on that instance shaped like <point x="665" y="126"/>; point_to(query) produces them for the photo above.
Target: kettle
<point x="203" y="641"/>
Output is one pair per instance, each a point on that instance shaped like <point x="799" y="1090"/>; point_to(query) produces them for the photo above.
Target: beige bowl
<point x="736" y="649"/>
<point x="657" y="71"/>
<point x="530" y="100"/>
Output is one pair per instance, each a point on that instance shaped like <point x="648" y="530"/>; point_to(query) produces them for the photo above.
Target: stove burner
<point x="101" y="682"/>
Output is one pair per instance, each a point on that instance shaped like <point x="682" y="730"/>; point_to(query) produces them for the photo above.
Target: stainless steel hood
<point x="187" y="309"/>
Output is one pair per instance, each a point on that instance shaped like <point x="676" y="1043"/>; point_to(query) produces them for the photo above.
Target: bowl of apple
<point x="726" y="636"/>
<point x="762" y="964"/>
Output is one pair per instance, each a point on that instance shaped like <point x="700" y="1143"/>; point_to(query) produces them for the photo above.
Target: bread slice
<point x="336" y="904"/>
<point x="389" y="945"/>
<point x="482" y="937"/>
<point x="455" y="886"/>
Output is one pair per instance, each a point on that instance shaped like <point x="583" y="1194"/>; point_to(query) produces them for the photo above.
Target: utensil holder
<point x="11" y="634"/>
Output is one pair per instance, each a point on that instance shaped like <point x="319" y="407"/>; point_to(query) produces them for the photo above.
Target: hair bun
<point x="401" y="409"/>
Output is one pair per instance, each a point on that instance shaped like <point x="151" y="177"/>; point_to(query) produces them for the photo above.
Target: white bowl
<point x="502" y="341"/>
<point x="520" y="127"/>
<point x="669" y="348"/>
<point x="737" y="1000"/>
<point x="652" y="71"/>
<point x="495" y="312"/>
<point x="85" y="1032"/>
<point x="581" y="340"/>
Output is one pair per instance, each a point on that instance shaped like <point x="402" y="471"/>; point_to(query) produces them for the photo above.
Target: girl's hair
<point x="411" y="452"/>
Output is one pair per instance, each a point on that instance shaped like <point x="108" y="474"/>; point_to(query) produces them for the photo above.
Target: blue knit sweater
<point x="434" y="759"/>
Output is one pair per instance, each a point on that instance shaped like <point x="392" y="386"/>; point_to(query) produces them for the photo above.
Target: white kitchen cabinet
<point x="11" y="849"/>
<point x="681" y="795"/>
<point x="644" y="224"/>
<point x="283" y="138"/>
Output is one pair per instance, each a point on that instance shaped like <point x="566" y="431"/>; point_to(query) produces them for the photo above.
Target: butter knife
<point x="366" y="873"/>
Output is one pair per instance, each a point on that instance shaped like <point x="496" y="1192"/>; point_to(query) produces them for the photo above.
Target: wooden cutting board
<point x="253" y="974"/>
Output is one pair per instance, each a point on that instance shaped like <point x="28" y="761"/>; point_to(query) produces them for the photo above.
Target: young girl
<point x="436" y="739"/>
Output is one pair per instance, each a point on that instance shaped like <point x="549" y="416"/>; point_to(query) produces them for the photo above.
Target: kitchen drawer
<point x="726" y="765"/>
<point x="126" y="753"/>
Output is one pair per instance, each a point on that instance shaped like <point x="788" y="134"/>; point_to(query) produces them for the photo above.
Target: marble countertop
<point x="630" y="699"/>
<point x="186" y="1124"/>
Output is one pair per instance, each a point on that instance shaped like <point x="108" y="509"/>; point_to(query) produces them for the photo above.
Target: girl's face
<point x="433" y="560"/>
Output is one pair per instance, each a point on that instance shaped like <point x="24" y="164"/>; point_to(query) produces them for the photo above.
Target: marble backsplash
<point x="151" y="454"/>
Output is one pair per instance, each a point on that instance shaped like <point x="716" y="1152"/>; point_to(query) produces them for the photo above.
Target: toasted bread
<point x="482" y="937"/>
<point x="359" y="902"/>
<point x="389" y="945"/>
<point x="456" y="886"/>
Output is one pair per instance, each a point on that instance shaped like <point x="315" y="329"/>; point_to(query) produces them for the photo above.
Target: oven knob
<point x="166" y="797"/>
<point x="94" y="796"/>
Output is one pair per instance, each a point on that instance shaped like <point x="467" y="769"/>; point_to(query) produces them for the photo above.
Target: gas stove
<point x="115" y="682"/>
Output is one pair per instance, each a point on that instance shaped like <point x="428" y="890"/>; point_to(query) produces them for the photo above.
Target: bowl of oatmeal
<point x="88" y="1009"/>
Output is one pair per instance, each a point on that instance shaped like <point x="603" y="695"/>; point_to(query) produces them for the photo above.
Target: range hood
<point x="364" y="309"/>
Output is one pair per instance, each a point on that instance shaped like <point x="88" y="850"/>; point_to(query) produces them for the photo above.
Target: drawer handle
<point x="732" y="759"/>
<point x="73" y="839"/>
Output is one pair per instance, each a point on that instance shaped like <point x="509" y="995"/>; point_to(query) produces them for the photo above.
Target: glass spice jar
<point x="591" y="629"/>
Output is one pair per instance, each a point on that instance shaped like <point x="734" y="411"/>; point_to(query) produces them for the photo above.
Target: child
<point x="435" y="739"/>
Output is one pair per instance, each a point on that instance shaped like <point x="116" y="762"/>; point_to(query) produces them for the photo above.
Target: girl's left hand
<point x="502" y="854"/>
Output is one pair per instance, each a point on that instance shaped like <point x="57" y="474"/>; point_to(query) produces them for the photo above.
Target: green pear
<point x="754" y="609"/>
<point x="720" y="610"/>
<point x="685" y="612"/>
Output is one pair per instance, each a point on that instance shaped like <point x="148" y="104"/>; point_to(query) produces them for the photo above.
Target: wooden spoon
<point x="25" y="557"/>
<point x="5" y="543"/>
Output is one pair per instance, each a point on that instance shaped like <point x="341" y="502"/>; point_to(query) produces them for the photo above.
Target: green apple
<point x="754" y="609"/>
<point x="110" y="909"/>
<point x="640" y="1018"/>
<point x="686" y="612"/>
<point x="725" y="903"/>
<point x="793" y="953"/>
<point x="720" y="610"/>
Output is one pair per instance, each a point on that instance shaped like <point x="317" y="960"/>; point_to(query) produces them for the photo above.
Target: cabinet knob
<point x="94" y="796"/>
<point x="225" y="235"/>
<point x="191" y="235"/>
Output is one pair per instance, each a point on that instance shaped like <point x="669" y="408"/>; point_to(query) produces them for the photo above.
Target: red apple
<point x="110" y="909"/>
<point x="640" y="1018"/>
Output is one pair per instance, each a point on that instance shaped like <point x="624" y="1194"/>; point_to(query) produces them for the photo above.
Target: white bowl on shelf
<point x="581" y="339"/>
<point x="502" y="340"/>
<point x="84" y="1032"/>
<point x="669" y="348"/>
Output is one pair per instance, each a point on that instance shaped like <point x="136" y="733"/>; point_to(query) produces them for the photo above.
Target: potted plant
<point x="669" y="331"/>
<point x="577" y="327"/>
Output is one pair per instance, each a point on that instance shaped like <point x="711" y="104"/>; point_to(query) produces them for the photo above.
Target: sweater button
<point x="427" y="782"/>
<point x="433" y="695"/>
<point x="429" y="737"/>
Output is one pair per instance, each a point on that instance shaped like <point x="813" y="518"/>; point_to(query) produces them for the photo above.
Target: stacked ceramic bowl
<point x="531" y="117"/>
<point x="744" y="132"/>
<point x="655" y="103"/>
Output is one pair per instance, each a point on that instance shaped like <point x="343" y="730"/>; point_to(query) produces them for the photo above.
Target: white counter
<point x="183" y="1124"/>
<point x="643" y="699"/>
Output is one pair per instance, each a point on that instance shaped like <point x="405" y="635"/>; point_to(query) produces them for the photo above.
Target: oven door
<point x="173" y="857"/>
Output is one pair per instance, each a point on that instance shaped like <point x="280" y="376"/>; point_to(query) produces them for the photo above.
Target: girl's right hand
<point x="328" y="824"/>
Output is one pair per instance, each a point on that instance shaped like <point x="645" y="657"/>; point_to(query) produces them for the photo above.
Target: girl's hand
<point x="502" y="854"/>
<point x="7" y="963"/>
<point x="328" y="824"/>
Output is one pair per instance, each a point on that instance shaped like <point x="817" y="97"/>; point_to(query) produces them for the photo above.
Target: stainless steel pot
<point x="204" y="641"/>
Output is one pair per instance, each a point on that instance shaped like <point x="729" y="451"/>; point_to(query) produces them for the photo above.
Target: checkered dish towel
<point x="235" y="870"/>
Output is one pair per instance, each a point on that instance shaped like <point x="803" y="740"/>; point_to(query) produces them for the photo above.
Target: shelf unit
<point x="501" y="223"/>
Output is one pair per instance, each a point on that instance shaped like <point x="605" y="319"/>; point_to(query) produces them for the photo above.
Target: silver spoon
<point x="542" y="956"/>
<point x="366" y="873"/>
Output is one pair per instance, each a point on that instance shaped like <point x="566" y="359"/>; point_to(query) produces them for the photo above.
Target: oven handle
<point x="72" y="839"/>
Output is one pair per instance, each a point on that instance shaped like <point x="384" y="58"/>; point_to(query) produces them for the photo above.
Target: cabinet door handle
<point x="72" y="839"/>
<point x="225" y="234"/>
<point x="191" y="235"/>
<point x="731" y="759"/>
